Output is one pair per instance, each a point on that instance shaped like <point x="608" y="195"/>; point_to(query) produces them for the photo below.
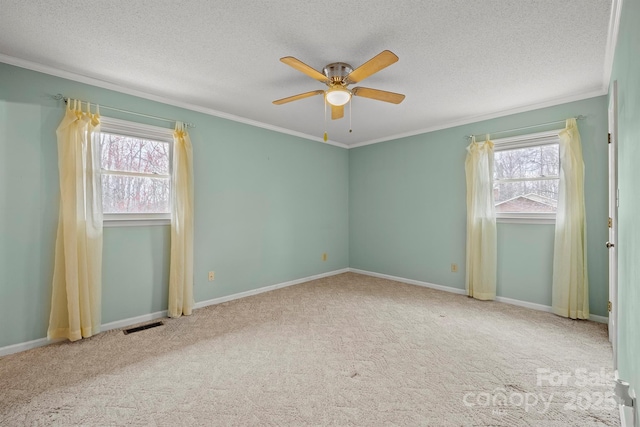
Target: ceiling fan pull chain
<point x="351" y="102"/>
<point x="325" y="119"/>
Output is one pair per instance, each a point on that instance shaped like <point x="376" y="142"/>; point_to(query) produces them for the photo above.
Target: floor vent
<point x="142" y="328"/>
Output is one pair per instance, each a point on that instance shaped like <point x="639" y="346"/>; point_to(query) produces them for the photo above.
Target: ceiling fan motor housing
<point x="337" y="72"/>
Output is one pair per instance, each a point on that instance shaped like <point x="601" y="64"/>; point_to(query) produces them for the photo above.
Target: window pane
<point x="529" y="162"/>
<point x="526" y="196"/>
<point x="124" y="153"/>
<point x="130" y="194"/>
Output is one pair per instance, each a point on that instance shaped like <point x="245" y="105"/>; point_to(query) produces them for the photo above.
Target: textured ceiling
<point x="459" y="60"/>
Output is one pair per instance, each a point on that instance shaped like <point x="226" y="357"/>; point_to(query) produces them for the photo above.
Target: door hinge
<point x="610" y="222"/>
<point x="609" y="306"/>
<point x="609" y="138"/>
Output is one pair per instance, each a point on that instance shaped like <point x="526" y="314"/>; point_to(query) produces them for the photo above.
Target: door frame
<point x="612" y="244"/>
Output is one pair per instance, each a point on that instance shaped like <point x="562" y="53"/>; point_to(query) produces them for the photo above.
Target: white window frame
<point x="142" y="131"/>
<point x="524" y="141"/>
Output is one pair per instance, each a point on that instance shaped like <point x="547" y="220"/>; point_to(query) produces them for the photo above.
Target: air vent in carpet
<point x="142" y="328"/>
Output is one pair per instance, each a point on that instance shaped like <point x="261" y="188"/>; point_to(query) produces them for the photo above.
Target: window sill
<point x="108" y="223"/>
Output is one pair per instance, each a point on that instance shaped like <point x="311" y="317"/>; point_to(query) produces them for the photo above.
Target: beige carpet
<point x="344" y="350"/>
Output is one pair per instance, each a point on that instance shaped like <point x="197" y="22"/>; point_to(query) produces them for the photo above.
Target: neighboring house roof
<point x="527" y="203"/>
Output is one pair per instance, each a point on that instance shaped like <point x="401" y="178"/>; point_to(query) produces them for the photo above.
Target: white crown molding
<point x="612" y="41"/>
<point x="140" y="94"/>
<point x="609" y="54"/>
<point x="481" y="118"/>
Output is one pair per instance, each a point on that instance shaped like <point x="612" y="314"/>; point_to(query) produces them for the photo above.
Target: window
<point x="526" y="177"/>
<point x="136" y="173"/>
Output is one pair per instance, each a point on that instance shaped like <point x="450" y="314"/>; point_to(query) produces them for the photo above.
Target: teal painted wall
<point x="407" y="209"/>
<point x="267" y="205"/>
<point x="626" y="71"/>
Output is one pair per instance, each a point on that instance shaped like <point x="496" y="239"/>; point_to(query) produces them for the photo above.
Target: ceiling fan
<point x="338" y="75"/>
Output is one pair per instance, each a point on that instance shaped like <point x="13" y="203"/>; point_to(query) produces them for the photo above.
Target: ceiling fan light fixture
<point x="338" y="95"/>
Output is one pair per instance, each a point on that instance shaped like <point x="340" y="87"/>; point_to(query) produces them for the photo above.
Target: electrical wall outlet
<point x="324" y="256"/>
<point x="454" y="268"/>
<point x="212" y="275"/>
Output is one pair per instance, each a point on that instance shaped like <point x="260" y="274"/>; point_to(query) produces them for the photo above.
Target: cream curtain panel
<point x="481" y="222"/>
<point x="181" y="269"/>
<point x="77" y="275"/>
<point x="570" y="295"/>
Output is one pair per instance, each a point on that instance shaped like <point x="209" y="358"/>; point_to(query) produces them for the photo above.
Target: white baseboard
<point x="409" y="281"/>
<point x="16" y="348"/>
<point x="599" y="319"/>
<point x="133" y="321"/>
<point x="239" y="295"/>
<point x="23" y="346"/>
<point x="531" y="305"/>
<point x="526" y="304"/>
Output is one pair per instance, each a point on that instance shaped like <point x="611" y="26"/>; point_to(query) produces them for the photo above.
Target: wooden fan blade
<point x="301" y="66"/>
<point x="380" y="95"/>
<point x="337" y="112"/>
<point x="298" y="96"/>
<point x="372" y="66"/>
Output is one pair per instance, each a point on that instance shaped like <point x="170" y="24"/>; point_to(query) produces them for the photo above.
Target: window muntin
<point x="135" y="172"/>
<point x="526" y="176"/>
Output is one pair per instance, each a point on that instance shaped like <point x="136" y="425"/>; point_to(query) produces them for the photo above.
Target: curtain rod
<point x="528" y="127"/>
<point x="60" y="96"/>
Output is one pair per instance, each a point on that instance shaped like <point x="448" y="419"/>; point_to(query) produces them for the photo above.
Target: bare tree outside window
<point x="135" y="175"/>
<point x="527" y="179"/>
